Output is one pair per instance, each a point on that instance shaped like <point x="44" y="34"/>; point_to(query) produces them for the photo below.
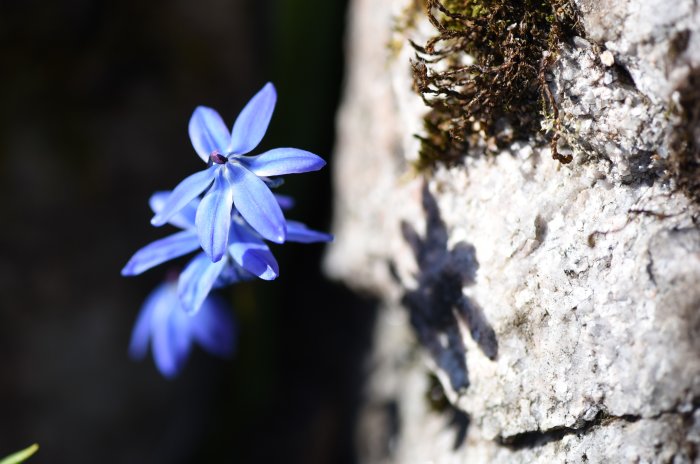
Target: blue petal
<point x="257" y="204"/>
<point x="213" y="327"/>
<point x="261" y="263"/>
<point x="142" y="329"/>
<point x="282" y="161"/>
<point x="158" y="199"/>
<point x="180" y="329"/>
<point x="197" y="280"/>
<point x="185" y="192"/>
<point x="298" y="232"/>
<point x="251" y="253"/>
<point x="214" y="217"/>
<point x="208" y="132"/>
<point x="161" y="251"/>
<point x="251" y="124"/>
<point x="184" y="219"/>
<point x="231" y="274"/>
<point x="285" y="201"/>
<point x="170" y="336"/>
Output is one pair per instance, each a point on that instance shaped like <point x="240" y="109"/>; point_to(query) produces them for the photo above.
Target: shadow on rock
<point x="437" y="305"/>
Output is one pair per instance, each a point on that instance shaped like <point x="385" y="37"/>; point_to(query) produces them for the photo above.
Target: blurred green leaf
<point x="20" y="456"/>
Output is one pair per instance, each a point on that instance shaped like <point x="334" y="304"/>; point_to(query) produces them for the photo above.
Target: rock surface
<point x="573" y="332"/>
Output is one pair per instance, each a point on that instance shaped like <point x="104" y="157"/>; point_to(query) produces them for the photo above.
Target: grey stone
<point x="587" y="273"/>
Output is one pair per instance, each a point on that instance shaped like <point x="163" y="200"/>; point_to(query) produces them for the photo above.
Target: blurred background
<point x="95" y="97"/>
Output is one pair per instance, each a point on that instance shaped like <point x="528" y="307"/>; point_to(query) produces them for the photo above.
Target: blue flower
<point x="219" y="274"/>
<point x="171" y="332"/>
<point x="170" y="247"/>
<point x="246" y="255"/>
<point x="233" y="179"/>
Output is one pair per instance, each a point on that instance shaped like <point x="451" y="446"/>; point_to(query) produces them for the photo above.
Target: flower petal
<point x="161" y="251"/>
<point x="180" y="329"/>
<point x="213" y="217"/>
<point x="231" y="274"/>
<point x="158" y="199"/>
<point x="184" y="219"/>
<point x="213" y="327"/>
<point x="197" y="280"/>
<point x="251" y="124"/>
<point x="170" y="336"/>
<point x="251" y="253"/>
<point x="208" y="132"/>
<point x="261" y="263"/>
<point x="298" y="232"/>
<point x="281" y="161"/>
<point x="257" y="204"/>
<point x="185" y="192"/>
<point x="285" y="201"/>
<point x="141" y="332"/>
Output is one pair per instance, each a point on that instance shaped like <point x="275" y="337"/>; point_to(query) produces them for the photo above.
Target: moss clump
<point x="502" y="95"/>
<point x="441" y="144"/>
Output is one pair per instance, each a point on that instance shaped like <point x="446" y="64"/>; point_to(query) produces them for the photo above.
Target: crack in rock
<point x="542" y="437"/>
<point x="537" y="438"/>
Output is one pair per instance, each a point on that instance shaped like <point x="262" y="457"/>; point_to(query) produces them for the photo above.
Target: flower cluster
<point x="227" y="211"/>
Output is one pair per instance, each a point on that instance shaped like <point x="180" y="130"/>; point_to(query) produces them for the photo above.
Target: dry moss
<point x="501" y="95"/>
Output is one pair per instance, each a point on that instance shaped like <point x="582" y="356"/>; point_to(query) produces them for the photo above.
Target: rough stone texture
<point x="604" y="116"/>
<point x="657" y="41"/>
<point x="588" y="274"/>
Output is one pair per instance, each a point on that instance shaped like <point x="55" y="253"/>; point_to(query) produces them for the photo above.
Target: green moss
<point x="502" y="95"/>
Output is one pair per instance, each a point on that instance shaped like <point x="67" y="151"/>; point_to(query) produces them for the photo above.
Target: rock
<point x="558" y="305"/>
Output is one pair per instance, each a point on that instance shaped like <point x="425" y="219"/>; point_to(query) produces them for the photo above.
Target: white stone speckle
<point x="607" y="58"/>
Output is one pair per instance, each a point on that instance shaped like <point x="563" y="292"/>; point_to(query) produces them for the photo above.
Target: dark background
<point x="94" y="103"/>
